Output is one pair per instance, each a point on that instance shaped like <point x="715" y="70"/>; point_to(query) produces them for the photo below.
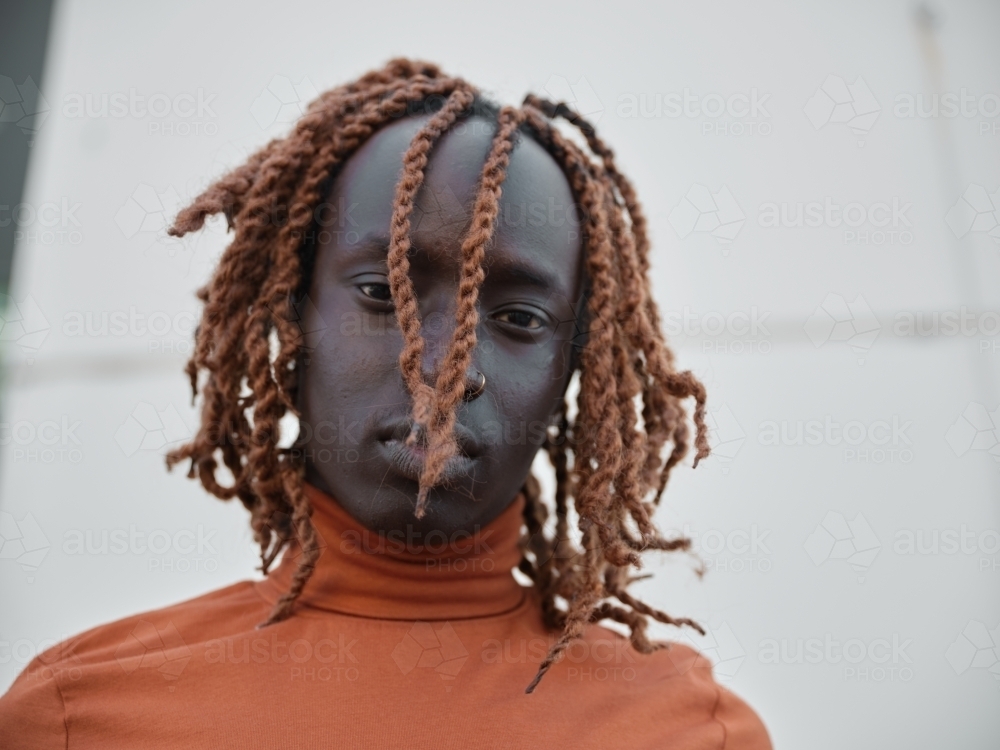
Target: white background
<point x="927" y="694"/>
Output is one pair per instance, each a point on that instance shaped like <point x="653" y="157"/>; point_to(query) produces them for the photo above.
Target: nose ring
<point x="474" y="387"/>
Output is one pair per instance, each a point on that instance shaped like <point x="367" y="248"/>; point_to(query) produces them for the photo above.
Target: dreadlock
<point x="607" y="457"/>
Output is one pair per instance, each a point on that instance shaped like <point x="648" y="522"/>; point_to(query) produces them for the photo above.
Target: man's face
<point x="356" y="410"/>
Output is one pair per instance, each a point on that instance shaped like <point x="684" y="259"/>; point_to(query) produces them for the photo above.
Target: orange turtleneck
<point x="417" y="643"/>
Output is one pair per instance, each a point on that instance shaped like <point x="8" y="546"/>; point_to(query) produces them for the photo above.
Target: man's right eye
<point x="378" y="292"/>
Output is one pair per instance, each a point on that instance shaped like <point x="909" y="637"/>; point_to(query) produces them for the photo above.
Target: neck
<point x="405" y="575"/>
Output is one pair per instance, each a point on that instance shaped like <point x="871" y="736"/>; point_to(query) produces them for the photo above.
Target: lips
<point x="408" y="460"/>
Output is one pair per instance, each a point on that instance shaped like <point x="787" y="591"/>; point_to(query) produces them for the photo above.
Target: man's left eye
<point x="378" y="292"/>
<point x="520" y="318"/>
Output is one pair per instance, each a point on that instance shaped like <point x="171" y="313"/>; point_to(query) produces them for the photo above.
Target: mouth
<point x="408" y="460"/>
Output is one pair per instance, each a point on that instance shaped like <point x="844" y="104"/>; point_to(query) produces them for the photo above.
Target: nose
<point x="436" y="342"/>
<point x="437" y="336"/>
<point x="435" y="349"/>
<point x="475" y="381"/>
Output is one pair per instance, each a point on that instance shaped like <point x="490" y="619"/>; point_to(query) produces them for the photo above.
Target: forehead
<point x="538" y="222"/>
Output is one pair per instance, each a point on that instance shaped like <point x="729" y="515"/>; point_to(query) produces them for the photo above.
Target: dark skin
<point x="355" y="408"/>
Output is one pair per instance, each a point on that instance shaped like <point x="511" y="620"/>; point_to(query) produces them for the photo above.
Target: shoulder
<point x="678" y="686"/>
<point x="216" y="614"/>
<point x="741" y="727"/>
<point x="32" y="712"/>
<point x="233" y="608"/>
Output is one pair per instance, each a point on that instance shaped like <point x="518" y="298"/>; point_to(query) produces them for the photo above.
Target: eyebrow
<point x="373" y="242"/>
<point x="376" y="244"/>
<point x="520" y="273"/>
<point x="370" y="248"/>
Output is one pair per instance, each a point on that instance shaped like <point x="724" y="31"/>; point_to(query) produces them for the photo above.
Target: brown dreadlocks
<point x="609" y="458"/>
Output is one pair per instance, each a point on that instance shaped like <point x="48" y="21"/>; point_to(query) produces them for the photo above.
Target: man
<point x="419" y="277"/>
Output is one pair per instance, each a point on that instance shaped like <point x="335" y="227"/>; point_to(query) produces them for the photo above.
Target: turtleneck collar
<point x="388" y="576"/>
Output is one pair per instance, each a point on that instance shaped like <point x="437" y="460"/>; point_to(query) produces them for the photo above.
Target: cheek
<point x="353" y="364"/>
<point x="528" y="386"/>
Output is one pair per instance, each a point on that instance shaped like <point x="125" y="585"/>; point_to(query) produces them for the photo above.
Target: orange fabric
<point x="397" y="643"/>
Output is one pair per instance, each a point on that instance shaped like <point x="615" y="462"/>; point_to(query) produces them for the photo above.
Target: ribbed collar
<point x="387" y="576"/>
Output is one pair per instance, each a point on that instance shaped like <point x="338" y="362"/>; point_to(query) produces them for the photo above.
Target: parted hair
<point x="611" y="457"/>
